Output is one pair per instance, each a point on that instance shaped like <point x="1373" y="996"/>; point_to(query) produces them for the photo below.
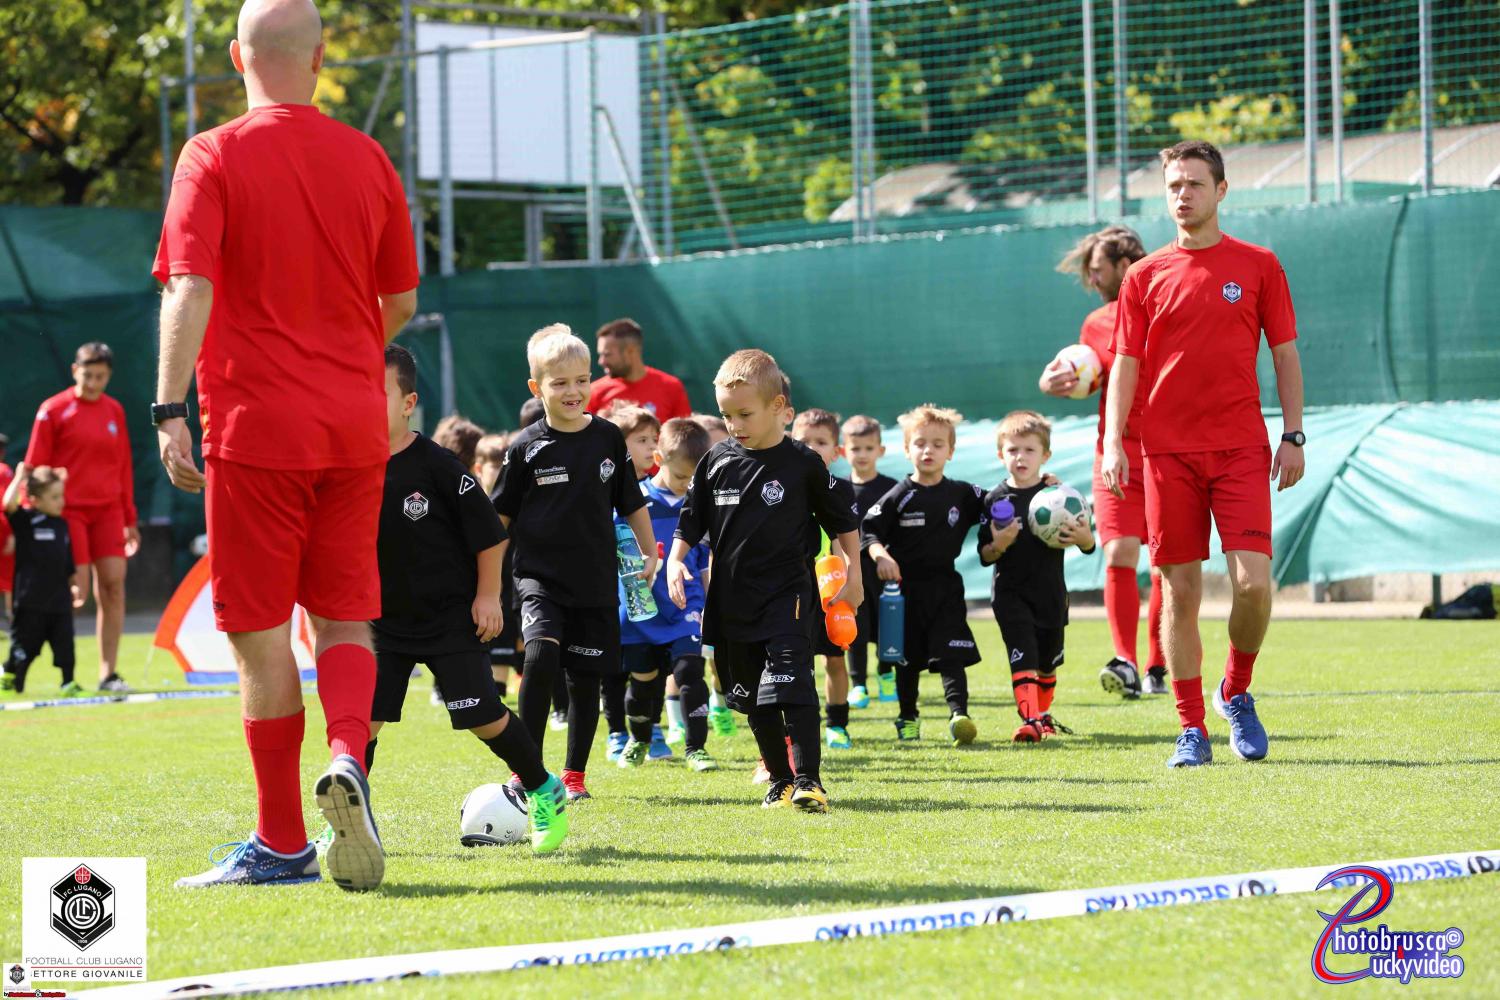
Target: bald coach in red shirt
<point x="288" y="262"/>
<point x="1189" y="327"/>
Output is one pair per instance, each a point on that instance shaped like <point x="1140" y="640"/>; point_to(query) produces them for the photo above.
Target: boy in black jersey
<point x="440" y="549"/>
<point x="45" y="582"/>
<point x="752" y="496"/>
<point x="489" y="457"/>
<point x="819" y="430"/>
<point x="565" y="476"/>
<point x="862" y="448"/>
<point x="1028" y="594"/>
<point x="914" y="534"/>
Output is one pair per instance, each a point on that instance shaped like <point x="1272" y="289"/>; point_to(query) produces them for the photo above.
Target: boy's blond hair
<point x="554" y="345"/>
<point x="860" y="425"/>
<point x="683" y="438"/>
<point x="1023" y="423"/>
<point x="756" y="369"/>
<point x="930" y="413"/>
<point x="632" y="418"/>
<point x="491" y="449"/>
<point x="815" y="417"/>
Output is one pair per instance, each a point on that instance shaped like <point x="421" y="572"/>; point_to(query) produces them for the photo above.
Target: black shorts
<point x="30" y="629"/>
<point x="1029" y="647"/>
<point x="770" y="672"/>
<point x="644" y="657"/>
<point x="589" y="637"/>
<point x="938" y="637"/>
<point x="464" y="678"/>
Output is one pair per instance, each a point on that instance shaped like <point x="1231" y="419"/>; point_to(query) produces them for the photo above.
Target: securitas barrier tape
<point x="112" y="699"/>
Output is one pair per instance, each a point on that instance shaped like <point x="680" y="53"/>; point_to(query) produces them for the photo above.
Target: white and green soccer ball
<point x="1051" y="508"/>
<point x="490" y="815"/>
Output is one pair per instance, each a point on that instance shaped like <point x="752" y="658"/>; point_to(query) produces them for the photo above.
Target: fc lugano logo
<point x="606" y="469"/>
<point x="414" y="506"/>
<point x="83" y="907"/>
<point x="17" y="974"/>
<point x="772" y="492"/>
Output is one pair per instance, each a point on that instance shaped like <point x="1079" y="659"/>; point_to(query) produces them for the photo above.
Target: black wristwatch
<point x="1295" y="437"/>
<point x="167" y="411"/>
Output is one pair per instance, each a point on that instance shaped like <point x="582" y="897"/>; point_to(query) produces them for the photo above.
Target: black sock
<point x="515" y="746"/>
<point x="535" y="700"/>
<point x="500" y="687"/>
<point x="640" y="712"/>
<point x="559" y="693"/>
<point x="613" y="686"/>
<point x="583" y="718"/>
<point x="908" y="680"/>
<point x="693" y="690"/>
<point x="858" y="659"/>
<point x="838" y="715"/>
<point x="956" y="691"/>
<point x="370" y="755"/>
<point x="769" y="727"/>
<point x="807" y="744"/>
<point x="67" y="674"/>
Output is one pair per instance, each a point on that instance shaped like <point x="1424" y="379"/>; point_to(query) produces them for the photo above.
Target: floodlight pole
<point x="1091" y="128"/>
<point x="164" y="111"/>
<point x="445" y="175"/>
<point x="1336" y="97"/>
<point x="592" y="205"/>
<point x="1310" y="95"/>
<point x="1122" y="153"/>
<point x="409" y="129"/>
<point x="189" y="65"/>
<point x="1424" y="45"/>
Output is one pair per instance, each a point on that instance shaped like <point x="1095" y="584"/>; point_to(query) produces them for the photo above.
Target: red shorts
<point x="1183" y="490"/>
<point x="278" y="537"/>
<point x="1121" y="517"/>
<point x="97" y="532"/>
<point x="7" y="572"/>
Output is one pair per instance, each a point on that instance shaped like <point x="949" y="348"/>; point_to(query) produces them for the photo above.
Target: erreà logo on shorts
<point x="772" y="493"/>
<point x="414" y="506"/>
<point x="454" y="706"/>
<point x="585" y="651"/>
<point x="1232" y="292"/>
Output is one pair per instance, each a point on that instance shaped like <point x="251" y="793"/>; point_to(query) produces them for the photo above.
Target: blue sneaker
<point x="659" y="748"/>
<point x="355" y="859"/>
<point x="859" y="696"/>
<point x="1192" y="750"/>
<point x="250" y="862"/>
<point x="1247" y="737"/>
<point x="617" y="743"/>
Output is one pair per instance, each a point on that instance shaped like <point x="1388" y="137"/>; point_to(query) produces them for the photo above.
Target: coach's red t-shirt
<point x="7" y="562"/>
<point x="88" y="439"/>
<point x="656" y="391"/>
<point x="1194" y="319"/>
<point x="299" y="221"/>
<point x="1098" y="332"/>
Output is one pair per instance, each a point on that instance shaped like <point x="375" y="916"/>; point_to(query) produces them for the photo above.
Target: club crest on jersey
<point x="465" y="485"/>
<point x="606" y="469"/>
<point x="952" y="517"/>
<point x="1232" y="292"/>
<point x="772" y="492"/>
<point x="535" y="447"/>
<point x="414" y="506"/>
<point x="113" y="428"/>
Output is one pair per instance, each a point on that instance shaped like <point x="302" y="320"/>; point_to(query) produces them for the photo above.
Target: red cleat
<point x="573" y="782"/>
<point x="1030" y="731"/>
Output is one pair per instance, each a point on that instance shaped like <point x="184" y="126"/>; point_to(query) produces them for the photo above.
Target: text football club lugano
<point x="83" y="920"/>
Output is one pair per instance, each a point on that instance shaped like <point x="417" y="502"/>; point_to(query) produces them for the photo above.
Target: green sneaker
<point x="837" y="738"/>
<point x="908" y="730"/>
<point x="322" y="842"/>
<point x="722" y="719"/>
<point x="676" y="735"/>
<point x="72" y="689"/>
<point x="700" y="760"/>
<point x="547" y="809"/>
<point x="7" y="682"/>
<point x="888" y="686"/>
<point x="634" y="754"/>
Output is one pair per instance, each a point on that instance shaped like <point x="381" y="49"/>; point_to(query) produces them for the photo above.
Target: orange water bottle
<point x="838" y="616"/>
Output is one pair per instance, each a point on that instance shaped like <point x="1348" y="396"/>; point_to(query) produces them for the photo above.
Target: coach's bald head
<point x="279" y="49"/>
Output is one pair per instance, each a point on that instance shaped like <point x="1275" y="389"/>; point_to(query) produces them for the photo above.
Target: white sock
<point x="715" y="699"/>
<point x="674" y="714"/>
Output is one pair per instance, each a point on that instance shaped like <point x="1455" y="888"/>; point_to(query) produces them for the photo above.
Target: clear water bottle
<point x="892" y="624"/>
<point x="640" y="605"/>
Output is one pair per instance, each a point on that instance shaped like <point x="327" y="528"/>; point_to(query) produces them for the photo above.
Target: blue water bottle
<point x="892" y="624"/>
<point x="640" y="605"/>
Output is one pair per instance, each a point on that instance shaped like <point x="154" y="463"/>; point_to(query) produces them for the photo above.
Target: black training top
<point x="434" y="519"/>
<point x="44" y="561"/>
<point x="924" y="527"/>
<point x="1030" y="571"/>
<point x="560" y="490"/>
<point x="845" y="490"/>
<point x="755" y="506"/>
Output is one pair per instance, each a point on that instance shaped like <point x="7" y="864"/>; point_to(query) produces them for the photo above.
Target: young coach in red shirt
<point x="84" y="431"/>
<point x="1189" y="327"/>
<point x="627" y="378"/>
<point x="288" y="261"/>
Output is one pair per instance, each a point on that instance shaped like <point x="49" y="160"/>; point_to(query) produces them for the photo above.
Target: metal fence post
<point x="1424" y="45"/>
<point x="1091" y="128"/>
<point x="409" y="130"/>
<point x="189" y="65"/>
<point x="1310" y="94"/>
<point x="668" y="241"/>
<point x="1122" y="153"/>
<point x="445" y="176"/>
<point x="592" y="202"/>
<point x="1336" y="97"/>
<point x="164" y="109"/>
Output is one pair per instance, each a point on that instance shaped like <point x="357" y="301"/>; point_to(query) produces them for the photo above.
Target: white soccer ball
<point x="1086" y="366"/>
<point x="492" y="814"/>
<point x="1051" y="508"/>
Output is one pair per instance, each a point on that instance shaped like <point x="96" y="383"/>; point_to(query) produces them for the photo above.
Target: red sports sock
<point x="1122" y="606"/>
<point x="346" y="687"/>
<point x="1190" y="703"/>
<point x="1153" y="624"/>
<point x="1046" y="685"/>
<point x="276" y="755"/>
<point x="1027" y="701"/>
<point x="1237" y="672"/>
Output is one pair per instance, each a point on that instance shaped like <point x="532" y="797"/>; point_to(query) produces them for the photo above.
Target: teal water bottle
<point x="892" y="621"/>
<point x="640" y="605"/>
